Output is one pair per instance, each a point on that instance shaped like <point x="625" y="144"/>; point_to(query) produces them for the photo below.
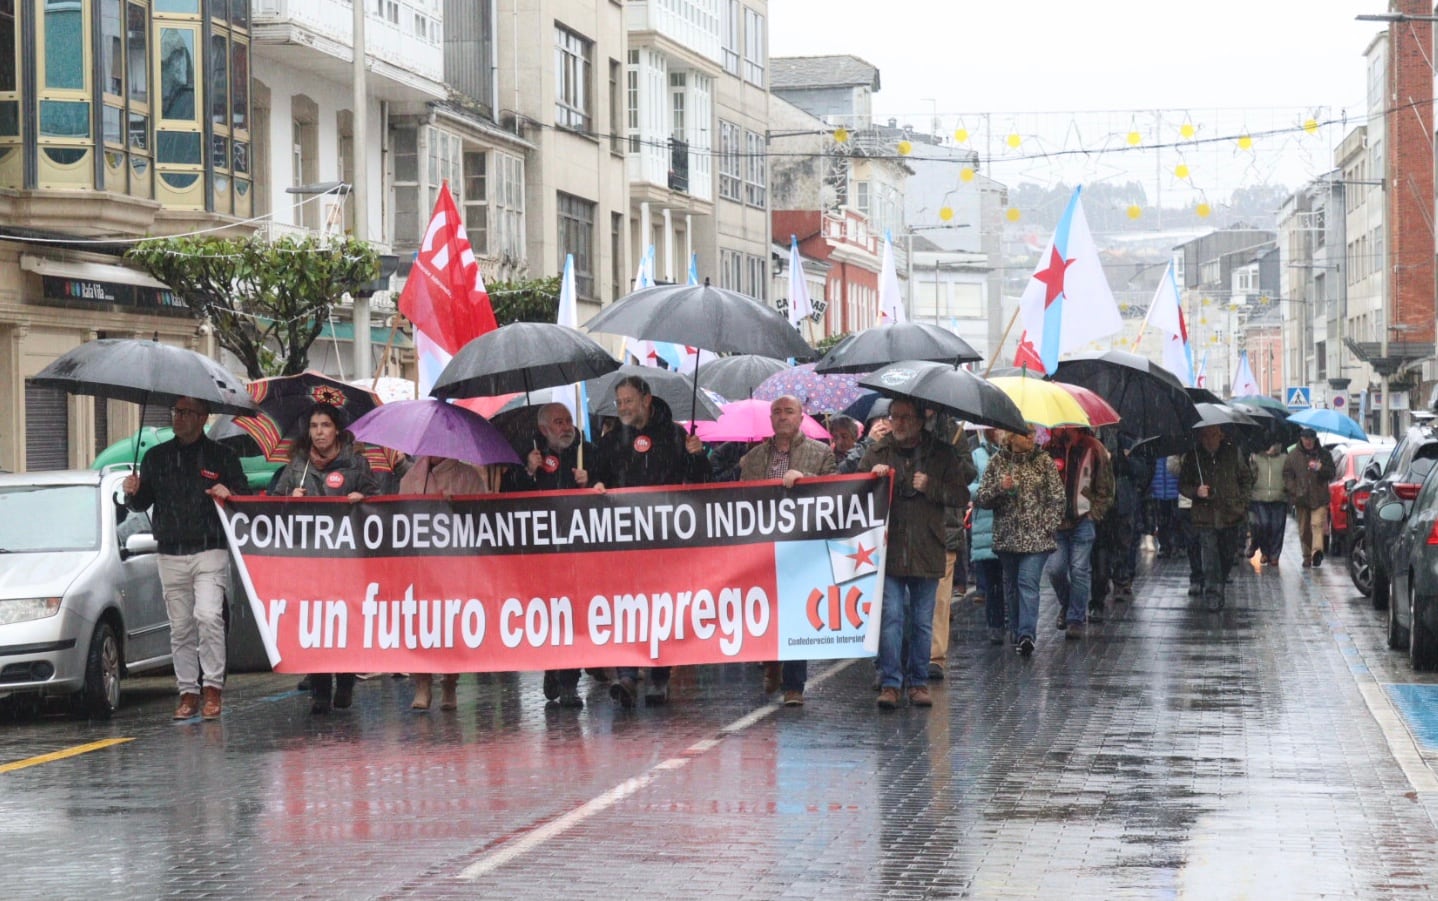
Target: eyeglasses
<point x="182" y="412"/>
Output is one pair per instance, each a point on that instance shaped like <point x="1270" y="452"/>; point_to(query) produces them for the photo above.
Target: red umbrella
<point x="1100" y="412"/>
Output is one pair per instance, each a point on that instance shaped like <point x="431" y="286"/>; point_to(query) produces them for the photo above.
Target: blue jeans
<point x="1271" y="520"/>
<point x="1021" y="590"/>
<point x="1070" y="569"/>
<point x="907" y="631"/>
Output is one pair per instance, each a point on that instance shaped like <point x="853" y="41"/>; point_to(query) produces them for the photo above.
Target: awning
<point x="89" y="272"/>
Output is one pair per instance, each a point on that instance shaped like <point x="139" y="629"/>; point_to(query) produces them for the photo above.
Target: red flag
<point x="445" y="296"/>
<point x="1027" y="356"/>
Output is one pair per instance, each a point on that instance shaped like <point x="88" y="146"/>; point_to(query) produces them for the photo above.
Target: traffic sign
<point x="1299" y="397"/>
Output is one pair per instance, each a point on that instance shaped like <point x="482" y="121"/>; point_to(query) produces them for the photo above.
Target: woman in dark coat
<point x="324" y="462"/>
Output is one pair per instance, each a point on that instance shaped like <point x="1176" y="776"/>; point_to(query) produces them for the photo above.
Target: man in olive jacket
<point x="1217" y="478"/>
<point x="1306" y="474"/>
<point x="929" y="475"/>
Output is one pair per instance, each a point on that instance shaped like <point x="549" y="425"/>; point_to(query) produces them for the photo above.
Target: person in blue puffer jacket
<point x="983" y="562"/>
<point x="1163" y="509"/>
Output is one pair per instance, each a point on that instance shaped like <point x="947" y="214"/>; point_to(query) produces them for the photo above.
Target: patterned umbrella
<point x="818" y="393"/>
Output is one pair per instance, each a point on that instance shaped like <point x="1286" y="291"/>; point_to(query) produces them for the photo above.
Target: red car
<point x="1350" y="460"/>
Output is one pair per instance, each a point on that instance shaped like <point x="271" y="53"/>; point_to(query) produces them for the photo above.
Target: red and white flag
<point x="444" y="296"/>
<point x="1027" y="356"/>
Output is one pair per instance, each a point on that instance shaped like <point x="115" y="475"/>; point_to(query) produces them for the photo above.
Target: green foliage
<point x="827" y="344"/>
<point x="533" y="300"/>
<point x="267" y="301"/>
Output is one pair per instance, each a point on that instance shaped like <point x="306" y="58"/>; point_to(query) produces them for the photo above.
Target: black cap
<point x="1307" y="433"/>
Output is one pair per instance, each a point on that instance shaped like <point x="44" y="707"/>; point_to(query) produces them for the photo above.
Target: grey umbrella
<point x="881" y="345"/>
<point x="735" y="377"/>
<point x="1221" y="414"/>
<point x="147" y="373"/>
<point x="674" y="388"/>
<point x="522" y="356"/>
<point x="957" y="390"/>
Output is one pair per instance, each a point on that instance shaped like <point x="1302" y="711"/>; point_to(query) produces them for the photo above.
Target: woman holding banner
<point x="325" y="463"/>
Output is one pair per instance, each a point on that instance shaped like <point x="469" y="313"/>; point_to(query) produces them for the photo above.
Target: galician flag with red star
<point x="1068" y="302"/>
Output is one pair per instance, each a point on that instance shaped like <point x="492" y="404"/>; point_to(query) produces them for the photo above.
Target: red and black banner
<point x="528" y="581"/>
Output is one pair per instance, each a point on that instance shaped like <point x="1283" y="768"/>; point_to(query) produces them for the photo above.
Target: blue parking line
<point x="292" y="693"/>
<point x="1418" y="705"/>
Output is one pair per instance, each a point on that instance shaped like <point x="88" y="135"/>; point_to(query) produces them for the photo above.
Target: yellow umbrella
<point x="1042" y="403"/>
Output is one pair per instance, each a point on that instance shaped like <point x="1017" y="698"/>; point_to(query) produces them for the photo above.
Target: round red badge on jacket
<point x="1059" y="462"/>
<point x="551" y="463"/>
<point x="642" y="444"/>
<point x="334" y="479"/>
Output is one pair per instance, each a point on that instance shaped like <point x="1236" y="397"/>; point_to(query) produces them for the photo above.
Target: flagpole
<point x="384" y="357"/>
<point x="993" y="357"/>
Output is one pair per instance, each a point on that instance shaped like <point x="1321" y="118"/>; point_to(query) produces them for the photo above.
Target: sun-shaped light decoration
<point x="905" y="148"/>
<point x="1012" y="214"/>
<point x="1203" y="210"/>
<point x="1134" y="211"/>
<point x="1187" y="131"/>
<point x="961" y="135"/>
<point x="1310" y="125"/>
<point x="946" y="213"/>
<point x="841" y="135"/>
<point x="1134" y="139"/>
<point x="1181" y="170"/>
<point x="966" y="173"/>
<point x="1014" y="141"/>
<point x="1245" y="142"/>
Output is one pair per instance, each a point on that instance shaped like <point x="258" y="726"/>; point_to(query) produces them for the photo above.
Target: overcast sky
<point x="1082" y="77"/>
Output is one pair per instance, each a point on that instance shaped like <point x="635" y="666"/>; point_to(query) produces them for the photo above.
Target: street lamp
<point x="1393" y="18"/>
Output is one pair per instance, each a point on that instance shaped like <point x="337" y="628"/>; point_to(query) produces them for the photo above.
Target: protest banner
<point x="634" y="577"/>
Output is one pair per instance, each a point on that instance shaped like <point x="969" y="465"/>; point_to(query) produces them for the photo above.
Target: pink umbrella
<point x="748" y="420"/>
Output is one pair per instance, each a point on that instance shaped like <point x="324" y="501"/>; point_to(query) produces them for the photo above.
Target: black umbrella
<point x="1203" y="396"/>
<point x="674" y="388"/>
<point x="1221" y="414"/>
<point x="147" y="373"/>
<point x="957" y="390"/>
<point x="522" y="356"/>
<point x="704" y="316"/>
<point x="1152" y="402"/>
<point x="881" y="345"/>
<point x="735" y="377"/>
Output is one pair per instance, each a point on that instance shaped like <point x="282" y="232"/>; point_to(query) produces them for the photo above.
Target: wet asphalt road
<point x="1171" y="753"/>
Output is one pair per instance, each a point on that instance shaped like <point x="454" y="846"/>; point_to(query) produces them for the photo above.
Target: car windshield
<point x="69" y="513"/>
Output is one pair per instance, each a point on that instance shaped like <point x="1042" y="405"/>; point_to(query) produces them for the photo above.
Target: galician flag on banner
<point x="1165" y="316"/>
<point x="1068" y="303"/>
<point x="574" y="397"/>
<point x="1026" y="356"/>
<point x="800" y="306"/>
<point x="444" y="296"/>
<point x="1244" y="383"/>
<point x="891" y="301"/>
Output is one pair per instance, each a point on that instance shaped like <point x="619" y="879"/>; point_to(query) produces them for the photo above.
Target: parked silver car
<point x="80" y="598"/>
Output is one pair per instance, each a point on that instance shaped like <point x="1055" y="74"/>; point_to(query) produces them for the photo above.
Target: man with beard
<point x="554" y="464"/>
<point x="648" y="448"/>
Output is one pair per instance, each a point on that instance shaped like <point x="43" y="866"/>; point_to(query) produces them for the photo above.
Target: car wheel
<point x="1359" y="568"/>
<point x="1397" y="634"/>
<point x="1422" y="643"/>
<point x="100" y="697"/>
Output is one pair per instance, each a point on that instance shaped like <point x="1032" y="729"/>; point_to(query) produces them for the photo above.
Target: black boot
<point x="321" y="685"/>
<point x="344" y="690"/>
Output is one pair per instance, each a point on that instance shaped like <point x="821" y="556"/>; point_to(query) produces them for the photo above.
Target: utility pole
<point x="359" y="189"/>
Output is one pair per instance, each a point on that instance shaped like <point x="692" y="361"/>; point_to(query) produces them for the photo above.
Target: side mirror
<point x="1372" y="471"/>
<point x="1392" y="512"/>
<point x="1348" y="486"/>
<point x="140" y="543"/>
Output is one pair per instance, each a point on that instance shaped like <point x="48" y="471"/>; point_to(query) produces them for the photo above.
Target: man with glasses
<point x="179" y="482"/>
<point x="929" y="475"/>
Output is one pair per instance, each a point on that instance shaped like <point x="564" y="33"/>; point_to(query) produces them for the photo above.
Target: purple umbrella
<point x="818" y="393"/>
<point x="434" y="428"/>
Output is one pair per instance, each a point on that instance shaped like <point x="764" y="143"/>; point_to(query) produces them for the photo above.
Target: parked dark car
<point x="1413" y="607"/>
<point x="1360" y="567"/>
<point x="1401" y="480"/>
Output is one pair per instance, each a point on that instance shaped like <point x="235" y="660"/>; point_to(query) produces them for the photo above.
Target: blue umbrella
<point x="1329" y="421"/>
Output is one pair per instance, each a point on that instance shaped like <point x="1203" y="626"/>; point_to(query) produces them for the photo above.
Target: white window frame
<point x="574" y="76"/>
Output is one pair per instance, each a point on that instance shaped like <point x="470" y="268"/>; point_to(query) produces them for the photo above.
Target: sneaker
<point x="772" y="675"/>
<point x="1095" y="613"/>
<point x="657" y="693"/>
<point x="793" y="698"/>
<point x="570" y="699"/>
<point x="188" y="707"/>
<point x="888" y="698"/>
<point x="1317" y="558"/>
<point x="211" y="708"/>
<point x="919" y="696"/>
<point x="1026" y="646"/>
<point x="551" y="685"/>
<point x="936" y="672"/>
<point x="623" y="691"/>
<point x="1074" y="632"/>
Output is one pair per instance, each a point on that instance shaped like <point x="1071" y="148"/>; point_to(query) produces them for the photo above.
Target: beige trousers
<point x="939" y="647"/>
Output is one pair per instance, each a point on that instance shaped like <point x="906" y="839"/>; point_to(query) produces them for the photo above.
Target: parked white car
<point x="80" y="598"/>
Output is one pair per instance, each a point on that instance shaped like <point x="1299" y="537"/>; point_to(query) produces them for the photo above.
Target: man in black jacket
<point x="181" y="479"/>
<point x="648" y="448"/>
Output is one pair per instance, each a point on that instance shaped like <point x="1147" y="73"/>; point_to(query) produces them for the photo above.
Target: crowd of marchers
<point x="1006" y="510"/>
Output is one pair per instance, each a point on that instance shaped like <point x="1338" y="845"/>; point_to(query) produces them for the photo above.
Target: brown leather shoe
<point x="919" y="696"/>
<point x="189" y="706"/>
<point x="211" y="709"/>
<point x="447" y="699"/>
<point x="793" y="698"/>
<point x="772" y="674"/>
<point x="423" y="691"/>
<point x="888" y="698"/>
